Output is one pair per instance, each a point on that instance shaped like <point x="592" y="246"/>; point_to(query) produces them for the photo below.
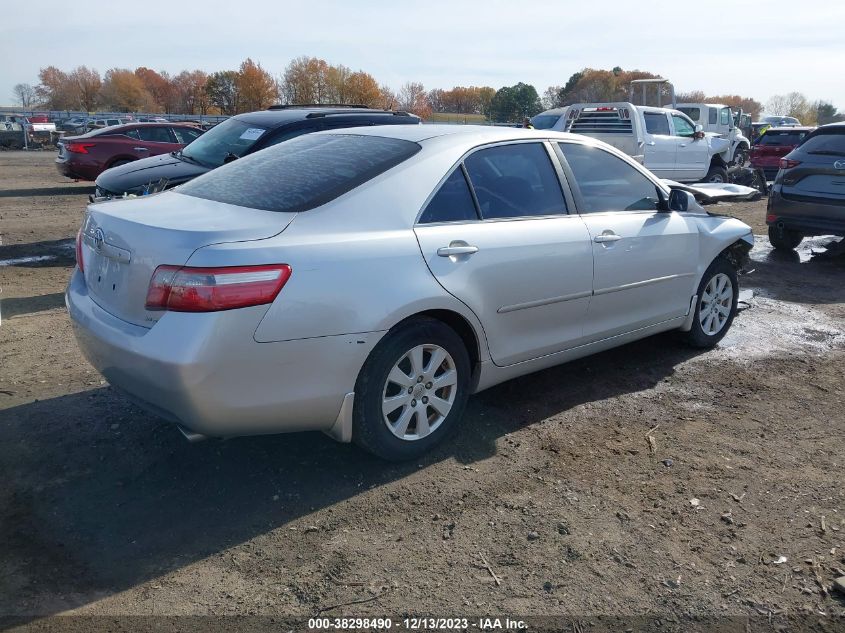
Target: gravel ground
<point x="735" y="506"/>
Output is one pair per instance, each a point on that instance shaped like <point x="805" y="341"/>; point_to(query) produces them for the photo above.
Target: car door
<point x="154" y="140"/>
<point x="644" y="258"/>
<point x="497" y="235"/>
<point x="693" y="156"/>
<point x="660" y="146"/>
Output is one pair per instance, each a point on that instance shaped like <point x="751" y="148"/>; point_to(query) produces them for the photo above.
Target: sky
<point x="744" y="47"/>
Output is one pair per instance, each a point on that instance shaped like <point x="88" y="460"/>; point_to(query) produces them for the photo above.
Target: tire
<point x="740" y="156"/>
<point x="400" y="433"/>
<point x="784" y="239"/>
<point x="716" y="174"/>
<point x="710" y="323"/>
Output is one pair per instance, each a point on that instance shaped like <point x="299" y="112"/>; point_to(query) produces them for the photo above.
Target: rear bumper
<point x="207" y="372"/>
<point x="809" y="218"/>
<point x="77" y="170"/>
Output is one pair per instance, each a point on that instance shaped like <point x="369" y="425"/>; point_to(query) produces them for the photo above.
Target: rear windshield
<point x="826" y="142"/>
<point x="545" y="121"/>
<point x="788" y="137"/>
<point x="302" y="173"/>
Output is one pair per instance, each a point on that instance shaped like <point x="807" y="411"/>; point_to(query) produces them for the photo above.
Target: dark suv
<point x="808" y="196"/>
<point x="235" y="137"/>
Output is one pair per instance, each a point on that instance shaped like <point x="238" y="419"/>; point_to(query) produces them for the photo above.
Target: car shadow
<point x="17" y="306"/>
<point x="47" y="191"/>
<point x="99" y="496"/>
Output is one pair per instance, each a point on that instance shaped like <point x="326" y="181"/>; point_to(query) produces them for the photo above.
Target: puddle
<point x="807" y="250"/>
<point x="18" y="261"/>
<point x="769" y="326"/>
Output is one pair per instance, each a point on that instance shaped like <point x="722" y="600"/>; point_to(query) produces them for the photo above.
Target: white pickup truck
<point x="666" y="141"/>
<point x="721" y="120"/>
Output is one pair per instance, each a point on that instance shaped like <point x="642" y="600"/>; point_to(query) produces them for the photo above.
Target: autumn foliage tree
<point x="123" y="91"/>
<point x="160" y="87"/>
<point x="257" y="89"/>
<point x="412" y="98"/>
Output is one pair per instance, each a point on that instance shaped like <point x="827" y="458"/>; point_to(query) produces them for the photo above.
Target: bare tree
<point x="25" y="95"/>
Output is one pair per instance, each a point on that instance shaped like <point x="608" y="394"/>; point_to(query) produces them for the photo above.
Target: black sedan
<point x="235" y="137"/>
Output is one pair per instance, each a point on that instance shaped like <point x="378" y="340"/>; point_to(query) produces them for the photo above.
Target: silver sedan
<point x="365" y="282"/>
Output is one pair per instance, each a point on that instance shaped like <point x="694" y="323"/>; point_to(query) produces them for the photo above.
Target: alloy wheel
<point x="419" y="392"/>
<point x="716" y="303"/>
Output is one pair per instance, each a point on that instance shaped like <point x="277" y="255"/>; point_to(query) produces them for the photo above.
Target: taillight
<point x="78" y="148"/>
<point x="79" y="261"/>
<point x="771" y="218"/>
<point x="787" y="163"/>
<point x="210" y="289"/>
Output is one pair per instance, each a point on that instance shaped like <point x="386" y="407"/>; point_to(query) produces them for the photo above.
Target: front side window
<point x="512" y="181"/>
<point x="452" y="203"/>
<point x="302" y="173"/>
<point x="607" y="183"/>
<point x="657" y="123"/>
<point x="682" y="126"/>
<point x="185" y="135"/>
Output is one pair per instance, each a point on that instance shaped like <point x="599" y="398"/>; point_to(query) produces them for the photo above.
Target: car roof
<point x="463" y="134"/>
<point x="790" y="128"/>
<point x="275" y="118"/>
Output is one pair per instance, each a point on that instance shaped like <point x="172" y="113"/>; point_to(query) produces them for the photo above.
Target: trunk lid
<point x="125" y="240"/>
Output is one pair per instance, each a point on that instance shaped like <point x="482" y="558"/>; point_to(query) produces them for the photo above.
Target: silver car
<point x="366" y="281"/>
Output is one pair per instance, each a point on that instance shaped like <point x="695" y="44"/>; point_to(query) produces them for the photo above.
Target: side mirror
<point x="680" y="200"/>
<point x="699" y="132"/>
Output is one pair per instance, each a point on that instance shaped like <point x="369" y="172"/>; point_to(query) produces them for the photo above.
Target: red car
<point x="85" y="157"/>
<point x="774" y="144"/>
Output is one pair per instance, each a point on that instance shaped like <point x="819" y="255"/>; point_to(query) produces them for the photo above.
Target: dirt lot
<point x="739" y="508"/>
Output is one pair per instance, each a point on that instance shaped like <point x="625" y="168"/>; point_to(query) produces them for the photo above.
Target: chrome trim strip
<point x="638" y="284"/>
<point x="543" y="302"/>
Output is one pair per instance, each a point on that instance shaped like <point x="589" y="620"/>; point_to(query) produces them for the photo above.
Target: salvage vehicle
<point x="774" y="144"/>
<point x="722" y="121"/>
<point x="85" y="157"/>
<point x="666" y="141"/>
<point x="366" y="281"/>
<point x="808" y="195"/>
<point x="781" y="121"/>
<point x="236" y="137"/>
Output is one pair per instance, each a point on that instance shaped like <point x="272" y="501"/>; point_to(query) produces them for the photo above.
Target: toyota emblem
<point x="99" y="238"/>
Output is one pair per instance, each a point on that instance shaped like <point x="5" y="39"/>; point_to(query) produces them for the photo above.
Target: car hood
<point x="711" y="192"/>
<point x="135" y="176"/>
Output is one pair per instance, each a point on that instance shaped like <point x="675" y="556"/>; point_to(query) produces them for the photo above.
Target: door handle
<point x="456" y="249"/>
<point x="141" y="149"/>
<point x="682" y="145"/>
<point x="607" y="237"/>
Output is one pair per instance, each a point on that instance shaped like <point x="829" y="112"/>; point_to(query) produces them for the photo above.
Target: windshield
<point x="829" y="142"/>
<point x="229" y="137"/>
<point x="545" y="121"/>
<point x="302" y="173"/>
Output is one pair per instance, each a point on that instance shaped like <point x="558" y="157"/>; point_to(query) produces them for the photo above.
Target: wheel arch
<point x="118" y="158"/>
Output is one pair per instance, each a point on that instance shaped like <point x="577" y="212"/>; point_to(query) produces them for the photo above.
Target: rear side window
<point x="827" y="143"/>
<point x="452" y="203"/>
<point x="657" y="123"/>
<point x="155" y="134"/>
<point x="131" y="134"/>
<point x="512" y="181"/>
<point x="712" y="115"/>
<point x="692" y="113"/>
<point x="607" y="183"/>
<point x="302" y="173"/>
